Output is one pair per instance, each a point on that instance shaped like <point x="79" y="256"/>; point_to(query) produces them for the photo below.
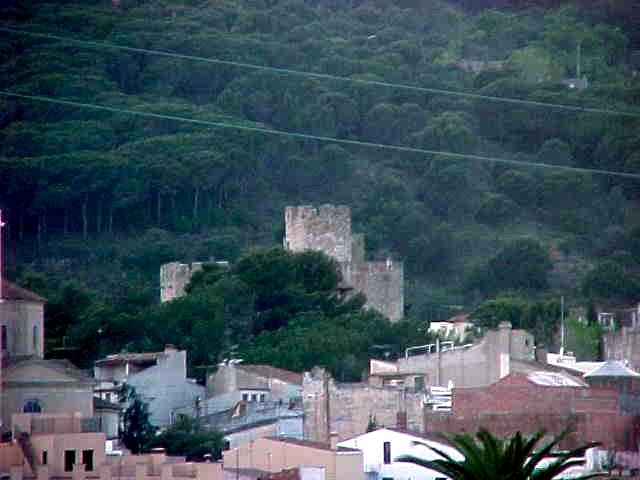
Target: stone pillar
<point x="316" y="402"/>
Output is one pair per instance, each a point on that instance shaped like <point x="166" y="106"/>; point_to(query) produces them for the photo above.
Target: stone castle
<point x="327" y="229"/>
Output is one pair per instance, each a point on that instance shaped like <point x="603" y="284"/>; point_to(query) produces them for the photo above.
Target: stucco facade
<point x="381" y="447"/>
<point x="160" y="378"/>
<point x="55" y="386"/>
<point x="275" y="455"/>
<point x="21" y="322"/>
<point x="498" y="353"/>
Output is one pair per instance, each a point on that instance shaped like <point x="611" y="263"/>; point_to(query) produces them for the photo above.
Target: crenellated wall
<point x="327" y="228"/>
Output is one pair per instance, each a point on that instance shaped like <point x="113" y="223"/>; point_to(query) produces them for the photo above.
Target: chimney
<point x="333" y="440"/>
<point x="170" y="347"/>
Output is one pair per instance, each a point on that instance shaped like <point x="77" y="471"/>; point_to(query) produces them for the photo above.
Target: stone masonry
<point x="346" y="408"/>
<point x="327" y="228"/>
<point x="174" y="278"/>
<point x="623" y="344"/>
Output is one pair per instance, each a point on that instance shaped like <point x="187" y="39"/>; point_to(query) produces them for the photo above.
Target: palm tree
<point x="489" y="458"/>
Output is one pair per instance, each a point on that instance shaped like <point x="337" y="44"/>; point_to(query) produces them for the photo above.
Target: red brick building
<point x="549" y="401"/>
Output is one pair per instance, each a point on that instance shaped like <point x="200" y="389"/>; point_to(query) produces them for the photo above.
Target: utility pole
<point x="1" y="270"/>
<point x="562" y="326"/>
<point x="578" y="60"/>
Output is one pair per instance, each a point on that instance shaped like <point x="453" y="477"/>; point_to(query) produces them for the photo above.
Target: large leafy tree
<point x="137" y="430"/>
<point x="187" y="437"/>
<point x="515" y="458"/>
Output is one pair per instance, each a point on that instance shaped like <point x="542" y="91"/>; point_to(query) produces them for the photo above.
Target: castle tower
<point x="326" y="228"/>
<point x="174" y="278"/>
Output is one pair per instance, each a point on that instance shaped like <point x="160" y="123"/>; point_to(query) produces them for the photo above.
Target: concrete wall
<point x="623" y="344"/>
<point x="165" y="386"/>
<point x="25" y="327"/>
<point x="174" y="277"/>
<point x="231" y="378"/>
<point x="283" y="428"/>
<point x="326" y="228"/>
<point x="345" y="408"/>
<point x="516" y="404"/>
<point x="272" y="455"/>
<point x="481" y="364"/>
<point x="383" y="285"/>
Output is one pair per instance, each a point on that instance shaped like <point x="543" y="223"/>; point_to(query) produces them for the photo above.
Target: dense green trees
<point x="139" y="191"/>
<point x="521" y="265"/>
<point x="186" y="437"/>
<point x="271" y="306"/>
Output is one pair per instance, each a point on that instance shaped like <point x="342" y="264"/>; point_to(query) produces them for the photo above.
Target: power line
<point x="321" y="76"/>
<point x="318" y="138"/>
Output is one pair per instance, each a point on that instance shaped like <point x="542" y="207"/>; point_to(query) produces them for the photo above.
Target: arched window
<point x="36" y="339"/>
<point x="32" y="406"/>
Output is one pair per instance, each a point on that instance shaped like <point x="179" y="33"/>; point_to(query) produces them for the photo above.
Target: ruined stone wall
<point x="623" y="345"/>
<point x="345" y="408"/>
<point x="383" y="285"/>
<point x="326" y="228"/>
<point x="174" y="277"/>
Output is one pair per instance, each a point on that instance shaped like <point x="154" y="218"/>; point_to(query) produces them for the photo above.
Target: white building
<point x="381" y="447"/>
<point x="160" y="378"/>
<point x="454" y="328"/>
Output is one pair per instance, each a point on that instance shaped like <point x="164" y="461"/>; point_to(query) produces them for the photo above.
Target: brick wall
<point x="516" y="404"/>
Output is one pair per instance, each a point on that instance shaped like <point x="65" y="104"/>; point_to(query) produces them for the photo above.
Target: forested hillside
<point x="103" y="197"/>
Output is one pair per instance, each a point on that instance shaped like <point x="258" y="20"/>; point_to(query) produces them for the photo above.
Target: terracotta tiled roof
<point x="11" y="291"/>
<point x="118" y="358"/>
<point x="61" y="365"/>
<point x="460" y="318"/>
<point x="267" y="371"/>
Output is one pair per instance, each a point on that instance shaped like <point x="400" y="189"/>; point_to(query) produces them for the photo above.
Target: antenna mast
<point x="562" y="334"/>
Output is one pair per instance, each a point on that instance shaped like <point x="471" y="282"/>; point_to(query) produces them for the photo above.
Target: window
<point x="254" y="397"/>
<point x="87" y="460"/>
<point x="69" y="460"/>
<point x="245" y="397"/>
<point x="32" y="406"/>
<point x="387" y="452"/>
<point x="36" y="339"/>
<point x="4" y="340"/>
<point x="263" y="397"/>
<point x="45" y="457"/>
<point x="419" y="383"/>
